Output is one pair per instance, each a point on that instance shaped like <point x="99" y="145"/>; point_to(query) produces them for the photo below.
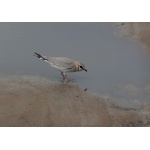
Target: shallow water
<point x="117" y="66"/>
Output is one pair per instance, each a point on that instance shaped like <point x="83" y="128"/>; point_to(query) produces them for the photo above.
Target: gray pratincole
<point x="63" y="64"/>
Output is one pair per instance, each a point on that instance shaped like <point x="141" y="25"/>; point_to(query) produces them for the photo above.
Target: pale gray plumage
<point x="63" y="64"/>
<point x="60" y="63"/>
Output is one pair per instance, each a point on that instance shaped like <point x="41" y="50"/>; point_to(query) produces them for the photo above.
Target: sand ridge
<point x="139" y="31"/>
<point x="37" y="101"/>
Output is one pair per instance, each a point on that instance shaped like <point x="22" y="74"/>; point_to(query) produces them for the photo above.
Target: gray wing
<point x="60" y="63"/>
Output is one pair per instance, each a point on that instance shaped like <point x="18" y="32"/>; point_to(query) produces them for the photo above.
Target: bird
<point x="63" y="64"/>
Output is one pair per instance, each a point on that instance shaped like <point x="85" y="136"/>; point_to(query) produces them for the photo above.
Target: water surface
<point x="116" y="65"/>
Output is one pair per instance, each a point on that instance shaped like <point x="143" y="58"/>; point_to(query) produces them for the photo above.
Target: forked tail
<point x="40" y="57"/>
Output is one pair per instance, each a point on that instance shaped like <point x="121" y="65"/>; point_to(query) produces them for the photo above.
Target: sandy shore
<point x="36" y="101"/>
<point x="138" y="31"/>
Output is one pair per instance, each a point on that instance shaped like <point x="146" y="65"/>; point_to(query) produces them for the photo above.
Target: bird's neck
<point x="76" y="65"/>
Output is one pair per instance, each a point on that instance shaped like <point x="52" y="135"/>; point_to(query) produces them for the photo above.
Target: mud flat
<point x="37" y="101"/>
<point x="139" y="31"/>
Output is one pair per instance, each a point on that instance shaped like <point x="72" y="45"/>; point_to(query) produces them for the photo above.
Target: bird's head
<point x="80" y="66"/>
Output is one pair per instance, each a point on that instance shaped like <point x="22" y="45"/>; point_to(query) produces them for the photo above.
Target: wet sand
<point x="37" y="101"/>
<point x="138" y="31"/>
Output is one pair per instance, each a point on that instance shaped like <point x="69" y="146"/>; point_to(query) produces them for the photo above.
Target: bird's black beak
<point x="85" y="70"/>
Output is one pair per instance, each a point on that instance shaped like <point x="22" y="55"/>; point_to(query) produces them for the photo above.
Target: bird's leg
<point x="65" y="76"/>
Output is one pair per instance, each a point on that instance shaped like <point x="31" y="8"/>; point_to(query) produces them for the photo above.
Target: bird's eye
<point x="81" y="67"/>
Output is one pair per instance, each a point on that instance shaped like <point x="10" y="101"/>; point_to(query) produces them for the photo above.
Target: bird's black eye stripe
<point x="81" y="67"/>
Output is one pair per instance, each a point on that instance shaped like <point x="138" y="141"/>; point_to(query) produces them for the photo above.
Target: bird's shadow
<point x="62" y="80"/>
<point x="69" y="81"/>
